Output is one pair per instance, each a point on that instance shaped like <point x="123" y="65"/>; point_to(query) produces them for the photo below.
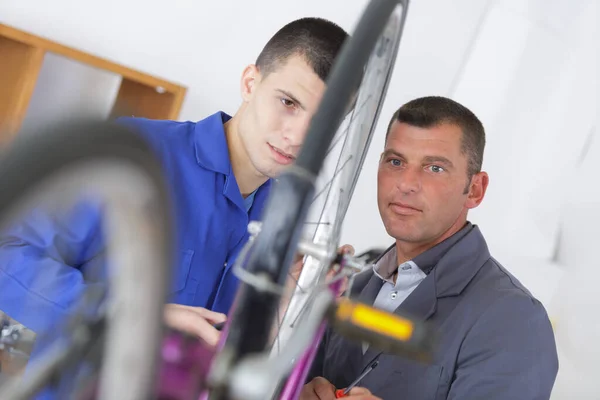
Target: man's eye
<point x="287" y="102"/>
<point x="436" y="168"/>
<point x="395" y="162"/>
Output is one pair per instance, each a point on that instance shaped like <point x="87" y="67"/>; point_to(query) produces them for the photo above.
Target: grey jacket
<point x="495" y="339"/>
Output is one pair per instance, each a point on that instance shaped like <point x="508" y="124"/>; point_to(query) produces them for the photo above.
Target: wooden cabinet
<point x="21" y="58"/>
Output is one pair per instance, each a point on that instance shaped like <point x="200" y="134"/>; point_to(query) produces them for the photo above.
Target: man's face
<point x="421" y="183"/>
<point x="278" y="111"/>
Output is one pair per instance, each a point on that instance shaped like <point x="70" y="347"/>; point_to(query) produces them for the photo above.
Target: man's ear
<point x="249" y="81"/>
<point x="477" y="189"/>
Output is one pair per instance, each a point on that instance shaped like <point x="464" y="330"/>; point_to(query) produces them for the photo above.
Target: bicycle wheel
<point x="366" y="61"/>
<point x="110" y="164"/>
<point x="337" y="180"/>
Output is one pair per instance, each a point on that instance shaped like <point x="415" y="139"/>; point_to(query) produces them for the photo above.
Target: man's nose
<point x="410" y="180"/>
<point x="296" y="130"/>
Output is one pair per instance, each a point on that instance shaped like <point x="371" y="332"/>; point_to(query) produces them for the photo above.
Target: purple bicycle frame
<point x="293" y="385"/>
<point x="185" y="365"/>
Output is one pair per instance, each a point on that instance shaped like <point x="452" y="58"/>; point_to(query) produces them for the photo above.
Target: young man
<point x="495" y="339"/>
<point x="219" y="170"/>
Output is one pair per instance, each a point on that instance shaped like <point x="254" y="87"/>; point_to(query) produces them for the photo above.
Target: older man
<point x="495" y="338"/>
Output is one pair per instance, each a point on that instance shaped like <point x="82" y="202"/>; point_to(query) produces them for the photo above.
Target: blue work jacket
<point x="47" y="261"/>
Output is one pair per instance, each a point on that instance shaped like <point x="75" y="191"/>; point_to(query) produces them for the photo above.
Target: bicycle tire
<point x="35" y="159"/>
<point x="274" y="248"/>
<point x="339" y="189"/>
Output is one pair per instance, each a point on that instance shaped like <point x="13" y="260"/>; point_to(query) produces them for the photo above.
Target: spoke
<point x="328" y="184"/>
<point x="313" y="292"/>
<point x="279" y="323"/>
<point x="349" y="143"/>
<point x="296" y="282"/>
<point x="355" y="113"/>
<point x="337" y="138"/>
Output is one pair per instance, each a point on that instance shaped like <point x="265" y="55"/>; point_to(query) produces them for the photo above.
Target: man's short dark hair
<point x="431" y="111"/>
<point x="318" y="40"/>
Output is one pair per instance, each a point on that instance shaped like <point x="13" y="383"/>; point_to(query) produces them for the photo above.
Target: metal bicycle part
<point x="354" y="139"/>
<point x="274" y="248"/>
<point x="256" y="377"/>
<point x="107" y="162"/>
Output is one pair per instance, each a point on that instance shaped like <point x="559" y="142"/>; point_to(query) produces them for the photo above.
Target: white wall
<point x="205" y="45"/>
<point x="526" y="67"/>
<point x="66" y="88"/>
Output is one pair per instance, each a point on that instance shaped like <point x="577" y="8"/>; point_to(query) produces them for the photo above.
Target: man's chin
<point x="274" y="171"/>
<point x="405" y="234"/>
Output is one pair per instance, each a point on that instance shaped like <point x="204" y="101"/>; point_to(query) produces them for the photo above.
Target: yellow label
<point x="376" y="320"/>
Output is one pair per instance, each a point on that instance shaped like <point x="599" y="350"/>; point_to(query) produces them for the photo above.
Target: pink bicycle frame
<point x="185" y="365"/>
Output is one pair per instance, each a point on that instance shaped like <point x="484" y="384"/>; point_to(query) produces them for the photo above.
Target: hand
<point x="345" y="249"/>
<point x="296" y="268"/>
<point x="195" y="321"/>
<point x="321" y="389"/>
<point x="292" y="281"/>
